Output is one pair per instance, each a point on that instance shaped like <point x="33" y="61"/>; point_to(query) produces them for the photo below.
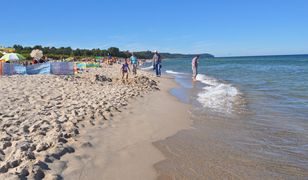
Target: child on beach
<point x="125" y="70"/>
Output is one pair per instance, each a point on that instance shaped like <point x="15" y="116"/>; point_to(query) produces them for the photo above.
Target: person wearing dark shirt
<point x="157" y="63"/>
<point x="125" y="70"/>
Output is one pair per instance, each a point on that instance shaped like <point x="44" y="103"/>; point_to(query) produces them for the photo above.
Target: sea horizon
<point x="271" y="55"/>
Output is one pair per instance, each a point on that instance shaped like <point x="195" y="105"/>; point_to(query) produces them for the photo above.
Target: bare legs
<point x="124" y="76"/>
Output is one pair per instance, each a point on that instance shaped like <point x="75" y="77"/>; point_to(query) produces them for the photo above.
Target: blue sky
<point x="220" y="27"/>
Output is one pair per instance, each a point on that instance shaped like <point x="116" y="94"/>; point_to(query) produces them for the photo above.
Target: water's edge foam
<point x="215" y="95"/>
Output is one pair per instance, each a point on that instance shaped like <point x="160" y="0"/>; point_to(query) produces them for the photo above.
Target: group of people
<point x="36" y="61"/>
<point x="110" y="60"/>
<point x="133" y="60"/>
<point x="157" y="65"/>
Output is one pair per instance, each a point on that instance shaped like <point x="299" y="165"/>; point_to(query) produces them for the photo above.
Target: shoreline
<point x="125" y="150"/>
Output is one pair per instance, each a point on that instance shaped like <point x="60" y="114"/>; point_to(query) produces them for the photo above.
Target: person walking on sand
<point x="157" y="63"/>
<point x="194" y="67"/>
<point x="125" y="70"/>
<point x="134" y="62"/>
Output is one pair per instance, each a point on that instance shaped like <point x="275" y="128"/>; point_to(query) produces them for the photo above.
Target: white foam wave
<point x="217" y="95"/>
<point x="174" y="72"/>
<point x="147" y="68"/>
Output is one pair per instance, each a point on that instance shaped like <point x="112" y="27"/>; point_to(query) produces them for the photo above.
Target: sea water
<point x="250" y="119"/>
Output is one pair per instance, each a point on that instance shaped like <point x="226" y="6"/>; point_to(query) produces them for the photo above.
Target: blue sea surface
<point x="256" y="105"/>
<point x="278" y="84"/>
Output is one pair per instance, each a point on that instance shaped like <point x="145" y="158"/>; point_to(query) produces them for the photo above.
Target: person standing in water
<point x="194" y="66"/>
<point x="134" y="62"/>
<point x="157" y="63"/>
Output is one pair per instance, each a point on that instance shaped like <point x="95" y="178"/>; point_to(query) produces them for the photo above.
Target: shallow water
<point x="250" y="119"/>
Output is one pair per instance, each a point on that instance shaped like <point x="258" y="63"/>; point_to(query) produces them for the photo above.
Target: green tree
<point x="67" y="51"/>
<point x="77" y="52"/>
<point x="88" y="53"/>
<point x="38" y="47"/>
<point x="114" y="51"/>
<point x="18" y="47"/>
<point x="104" y="52"/>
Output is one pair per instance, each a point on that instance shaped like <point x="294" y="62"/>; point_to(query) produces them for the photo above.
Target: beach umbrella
<point x="12" y="57"/>
<point x="36" y="54"/>
<point x="69" y="59"/>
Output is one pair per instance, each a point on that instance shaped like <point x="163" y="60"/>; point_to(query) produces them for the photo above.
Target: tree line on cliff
<point x="65" y="52"/>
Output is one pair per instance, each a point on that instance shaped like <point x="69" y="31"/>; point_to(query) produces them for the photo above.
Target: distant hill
<point x="149" y="55"/>
<point x="170" y="55"/>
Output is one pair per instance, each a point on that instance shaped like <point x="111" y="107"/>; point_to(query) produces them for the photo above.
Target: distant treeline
<point x="65" y="52"/>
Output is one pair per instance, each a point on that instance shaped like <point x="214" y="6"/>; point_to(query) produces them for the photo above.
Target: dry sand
<point x="85" y="127"/>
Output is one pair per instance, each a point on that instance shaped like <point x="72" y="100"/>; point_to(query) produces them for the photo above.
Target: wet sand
<point x="231" y="148"/>
<point x="123" y="149"/>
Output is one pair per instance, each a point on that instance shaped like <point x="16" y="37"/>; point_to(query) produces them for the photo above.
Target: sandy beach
<point x="124" y="150"/>
<point x="85" y="126"/>
<point x="191" y="90"/>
